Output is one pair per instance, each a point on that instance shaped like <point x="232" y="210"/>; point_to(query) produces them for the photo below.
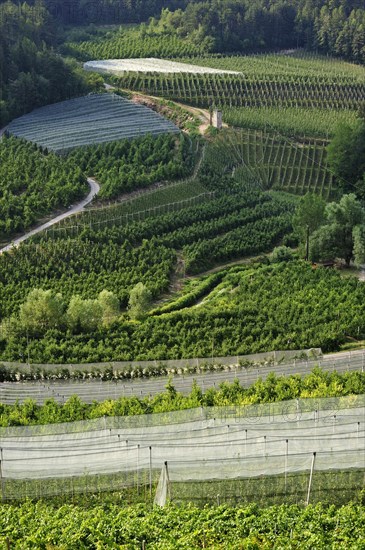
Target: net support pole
<point x="310" y="478"/>
<point x="137" y="469"/>
<point x="1" y="476"/>
<point x="150" y="452"/>
<point x="168" y="482"/>
<point x="286" y="463"/>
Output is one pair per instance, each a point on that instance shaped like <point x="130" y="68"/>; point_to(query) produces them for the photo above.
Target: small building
<point x="217" y="121"/>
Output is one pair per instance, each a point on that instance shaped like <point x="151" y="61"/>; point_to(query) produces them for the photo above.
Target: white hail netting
<point x="199" y="444"/>
<point x="150" y="65"/>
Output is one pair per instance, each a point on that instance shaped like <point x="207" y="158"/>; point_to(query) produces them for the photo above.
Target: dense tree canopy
<point x="335" y="27"/>
<point x="342" y="227"/>
<point x="31" y="73"/>
<point x="346" y="157"/>
<point x="34" y="183"/>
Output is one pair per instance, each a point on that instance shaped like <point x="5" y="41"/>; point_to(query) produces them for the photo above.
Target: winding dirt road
<point x="94" y="190"/>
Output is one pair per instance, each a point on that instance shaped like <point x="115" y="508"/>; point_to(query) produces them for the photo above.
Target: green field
<point x="290" y="121"/>
<point x="295" y="63"/>
<point x="132" y="42"/>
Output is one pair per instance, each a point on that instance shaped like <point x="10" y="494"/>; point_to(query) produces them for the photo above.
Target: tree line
<point x="335" y="27"/>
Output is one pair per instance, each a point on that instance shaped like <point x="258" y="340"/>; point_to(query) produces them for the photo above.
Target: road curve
<point x="94" y="190"/>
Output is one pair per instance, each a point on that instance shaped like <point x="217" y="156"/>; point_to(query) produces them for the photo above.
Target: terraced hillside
<point x="256" y="90"/>
<point x="316" y="92"/>
<point x="268" y="160"/>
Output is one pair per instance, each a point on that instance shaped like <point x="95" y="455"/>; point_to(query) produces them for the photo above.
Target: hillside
<point x="167" y="368"/>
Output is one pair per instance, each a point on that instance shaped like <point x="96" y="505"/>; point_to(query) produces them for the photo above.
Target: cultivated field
<point x="96" y="118"/>
<point x="297" y="93"/>
<point x="268" y="160"/>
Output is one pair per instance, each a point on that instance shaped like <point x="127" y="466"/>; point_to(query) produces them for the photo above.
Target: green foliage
<point x="256" y="90"/>
<point x="41" y="311"/>
<point x="266" y="160"/>
<point x="192" y="296"/>
<point x="346" y="156"/>
<point x="139" y="301"/>
<point x="225" y="26"/>
<point x="31" y="73"/>
<point x="84" y="315"/>
<point x="309" y="215"/>
<point x="126" y="165"/>
<point x="34" y="183"/>
<point x="44" y="310"/>
<point x="110" y="306"/>
<point x="32" y="525"/>
<point x="228" y="226"/>
<point x="72" y="267"/>
<point x="289" y="121"/>
<point x="296" y="94"/>
<point x="358" y="235"/>
<point x="280" y="306"/>
<point x="158" y="200"/>
<point x="136" y="42"/>
<point x="335" y="239"/>
<point x="281" y="254"/>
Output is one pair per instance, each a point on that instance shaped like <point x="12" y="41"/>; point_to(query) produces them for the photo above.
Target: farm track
<point x="94" y="190"/>
<point x="95" y="390"/>
<point x="155" y="187"/>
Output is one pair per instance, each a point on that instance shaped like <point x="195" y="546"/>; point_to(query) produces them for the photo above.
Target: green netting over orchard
<point x="95" y="118"/>
<point x="207" y="444"/>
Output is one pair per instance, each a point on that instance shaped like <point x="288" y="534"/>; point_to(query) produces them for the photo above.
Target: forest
<point x="330" y="26"/>
<point x="31" y="72"/>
